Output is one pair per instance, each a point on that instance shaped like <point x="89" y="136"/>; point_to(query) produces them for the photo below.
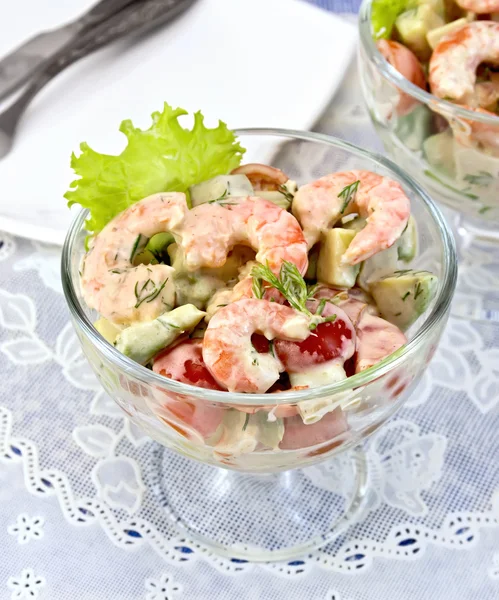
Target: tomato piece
<point x="185" y="363"/>
<point x="260" y="343"/>
<point x="298" y="435"/>
<point x="325" y="343"/>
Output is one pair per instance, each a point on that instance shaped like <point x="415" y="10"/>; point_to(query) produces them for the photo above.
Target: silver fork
<point x="20" y="64"/>
<point x="134" y="19"/>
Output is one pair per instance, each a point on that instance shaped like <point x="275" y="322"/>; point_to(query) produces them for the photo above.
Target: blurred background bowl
<point x="448" y="149"/>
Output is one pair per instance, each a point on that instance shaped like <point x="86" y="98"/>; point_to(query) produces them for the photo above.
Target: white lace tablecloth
<point x="78" y="519"/>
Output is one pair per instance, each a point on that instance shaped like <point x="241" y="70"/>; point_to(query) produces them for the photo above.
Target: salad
<point x="451" y="49"/>
<point x="235" y="278"/>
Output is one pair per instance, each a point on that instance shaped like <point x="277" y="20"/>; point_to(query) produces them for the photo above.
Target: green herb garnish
<point x="321" y="307"/>
<point x="484" y="209"/>
<point x="257" y="287"/>
<point x="164" y="158"/>
<point x="285" y="192"/>
<point x="347" y="193"/>
<point x="246" y="421"/>
<point x="138" y="245"/>
<point x="312" y="290"/>
<point x="405" y="296"/>
<point x="481" y="179"/>
<point x="449" y="187"/>
<point x="418" y="290"/>
<point x="289" y="283"/>
<point x="147" y="293"/>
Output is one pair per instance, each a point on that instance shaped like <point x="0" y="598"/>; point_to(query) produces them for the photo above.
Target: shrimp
<point x="453" y="64"/>
<point x="210" y="231"/>
<point x="262" y="177"/>
<point x="407" y="64"/>
<point x="353" y="301"/>
<point x="470" y="133"/>
<point x="119" y="291"/>
<point x="479" y="7"/>
<point x="376" y="339"/>
<point x="382" y="201"/>
<point x="487" y="93"/>
<point x="227" y="349"/>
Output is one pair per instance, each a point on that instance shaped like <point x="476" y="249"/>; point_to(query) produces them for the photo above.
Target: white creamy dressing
<point x="322" y="374"/>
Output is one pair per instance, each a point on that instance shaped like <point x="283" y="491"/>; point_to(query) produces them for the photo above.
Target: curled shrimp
<point x="353" y="301"/>
<point x="487" y="93"/>
<point x="227" y="349"/>
<point x="407" y="64"/>
<point x="382" y="201"/>
<point x="262" y="177"/>
<point x="453" y="64"/>
<point x="376" y="339"/>
<point x="210" y="231"/>
<point x="111" y="284"/>
<point x="472" y="133"/>
<point x="479" y="7"/>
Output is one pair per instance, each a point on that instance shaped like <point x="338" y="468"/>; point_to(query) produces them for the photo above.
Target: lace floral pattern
<point x="27" y="586"/>
<point x="161" y="589"/>
<point x="27" y="528"/>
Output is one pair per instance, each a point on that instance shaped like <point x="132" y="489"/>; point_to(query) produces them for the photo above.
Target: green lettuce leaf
<point x="166" y="157"/>
<point x="384" y="13"/>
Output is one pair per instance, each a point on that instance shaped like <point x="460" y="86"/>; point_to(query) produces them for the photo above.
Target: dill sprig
<point x="138" y="246"/>
<point x="481" y="179"/>
<point x="289" y="283"/>
<point x="285" y="192"/>
<point x="293" y="287"/>
<point x="347" y="194"/>
<point x="148" y="292"/>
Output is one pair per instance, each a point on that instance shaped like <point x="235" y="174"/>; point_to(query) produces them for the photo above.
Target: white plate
<point x="268" y="63"/>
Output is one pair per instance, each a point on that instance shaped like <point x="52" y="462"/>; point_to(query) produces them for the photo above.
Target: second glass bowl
<point x="452" y="151"/>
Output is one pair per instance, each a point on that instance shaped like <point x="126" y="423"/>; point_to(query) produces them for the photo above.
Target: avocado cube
<point x="355" y="224"/>
<point x="435" y="35"/>
<point x="334" y="243"/>
<point x="109" y="331"/>
<point x="437" y="6"/>
<point x="439" y="152"/>
<point x="412" y="27"/>
<point x="408" y="242"/>
<point x="404" y="296"/>
<point x="142" y="341"/>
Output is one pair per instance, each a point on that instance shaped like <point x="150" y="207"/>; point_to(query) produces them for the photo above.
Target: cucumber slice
<point x="408" y="243"/>
<point x="438" y="150"/>
<point x="143" y="341"/>
<point x="413" y="129"/>
<point x="220" y="187"/>
<point x="404" y="296"/>
<point x="413" y="25"/>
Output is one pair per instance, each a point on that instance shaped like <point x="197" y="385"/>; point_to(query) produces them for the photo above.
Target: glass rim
<point x="148" y="377"/>
<point x="444" y="107"/>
